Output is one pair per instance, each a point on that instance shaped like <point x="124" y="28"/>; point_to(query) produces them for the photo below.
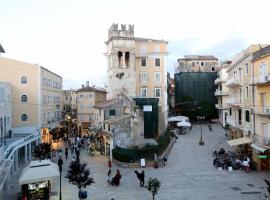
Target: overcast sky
<point x="67" y="36"/>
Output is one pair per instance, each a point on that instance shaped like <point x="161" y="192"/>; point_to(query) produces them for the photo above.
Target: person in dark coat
<point x="66" y="153"/>
<point x="116" y="178"/>
<point x="142" y="179"/>
<point x="140" y="176"/>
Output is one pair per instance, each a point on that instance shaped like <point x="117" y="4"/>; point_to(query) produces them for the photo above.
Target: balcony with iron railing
<point x="220" y="93"/>
<point x="235" y="123"/>
<point x="219" y="80"/>
<point x="234" y="101"/>
<point x="263" y="79"/>
<point x="218" y="106"/>
<point x="262" y="110"/>
<point x="233" y="82"/>
<point x="261" y="140"/>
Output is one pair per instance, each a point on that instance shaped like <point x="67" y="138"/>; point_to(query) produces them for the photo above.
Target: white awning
<point x="183" y="124"/>
<point x="38" y="171"/>
<point x="259" y="148"/>
<point x="239" y="141"/>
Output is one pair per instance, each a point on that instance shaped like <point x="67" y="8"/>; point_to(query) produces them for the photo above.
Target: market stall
<point x="36" y="179"/>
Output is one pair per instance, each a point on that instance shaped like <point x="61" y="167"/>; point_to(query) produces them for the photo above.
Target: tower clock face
<point x="120" y="75"/>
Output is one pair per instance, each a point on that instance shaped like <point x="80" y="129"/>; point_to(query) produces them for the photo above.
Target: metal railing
<point x="232" y="81"/>
<point x="261" y="140"/>
<point x="263" y="110"/>
<point x="14" y="145"/>
<point x="220" y="92"/>
<point x="263" y="78"/>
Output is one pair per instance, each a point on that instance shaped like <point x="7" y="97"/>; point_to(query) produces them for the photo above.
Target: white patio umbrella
<point x="183" y="124"/>
<point x="178" y="119"/>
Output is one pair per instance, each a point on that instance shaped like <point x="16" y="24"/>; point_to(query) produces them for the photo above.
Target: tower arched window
<point x="23" y="80"/>
<point x="24" y="98"/>
<point x="120" y="58"/>
<point x="127" y="58"/>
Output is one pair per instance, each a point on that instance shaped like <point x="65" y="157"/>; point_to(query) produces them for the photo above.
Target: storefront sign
<point x="262" y="156"/>
<point x="147" y="108"/>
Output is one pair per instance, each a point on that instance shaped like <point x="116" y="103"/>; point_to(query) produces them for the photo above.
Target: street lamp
<point x="60" y="163"/>
<point x="201" y="142"/>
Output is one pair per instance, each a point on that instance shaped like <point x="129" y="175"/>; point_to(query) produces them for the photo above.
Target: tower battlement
<point x="123" y="32"/>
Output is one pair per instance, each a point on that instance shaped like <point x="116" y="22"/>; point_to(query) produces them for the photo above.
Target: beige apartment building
<point x="137" y="67"/>
<point x="87" y="98"/>
<point x="240" y="101"/>
<point x="261" y="84"/>
<point x="197" y="63"/>
<point x="222" y="92"/>
<point x="36" y="97"/>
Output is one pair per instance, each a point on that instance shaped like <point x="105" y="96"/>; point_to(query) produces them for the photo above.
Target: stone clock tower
<point x="121" y="61"/>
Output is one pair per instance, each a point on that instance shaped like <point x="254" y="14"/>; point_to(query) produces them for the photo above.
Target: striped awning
<point x="239" y="141"/>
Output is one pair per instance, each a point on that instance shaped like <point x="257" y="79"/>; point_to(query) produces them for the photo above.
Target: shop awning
<point x="38" y="171"/>
<point x="239" y="141"/>
<point x="259" y="148"/>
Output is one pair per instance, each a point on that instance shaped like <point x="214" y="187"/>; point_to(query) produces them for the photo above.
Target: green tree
<point x="79" y="175"/>
<point x="153" y="186"/>
<point x="43" y="151"/>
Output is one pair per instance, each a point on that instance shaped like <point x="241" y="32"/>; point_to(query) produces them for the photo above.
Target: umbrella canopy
<point x="38" y="171"/>
<point x="178" y="119"/>
<point x="183" y="124"/>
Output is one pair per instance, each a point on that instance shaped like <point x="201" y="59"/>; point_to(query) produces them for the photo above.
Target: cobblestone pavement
<point x="188" y="175"/>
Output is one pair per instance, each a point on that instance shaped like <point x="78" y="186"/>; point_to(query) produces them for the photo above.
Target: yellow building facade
<point x="36" y="96"/>
<point x="261" y="82"/>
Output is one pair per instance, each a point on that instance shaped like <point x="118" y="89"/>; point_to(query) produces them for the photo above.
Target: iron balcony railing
<point x="220" y="93"/>
<point x="233" y="82"/>
<point x="262" y="79"/>
<point x="262" y="110"/>
<point x="261" y="140"/>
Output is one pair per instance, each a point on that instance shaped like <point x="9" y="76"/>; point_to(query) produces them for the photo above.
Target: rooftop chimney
<point x="87" y="83"/>
<point x="82" y="85"/>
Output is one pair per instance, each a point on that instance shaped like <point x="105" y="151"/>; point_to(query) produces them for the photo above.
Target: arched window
<point x="23" y="80"/>
<point x="127" y="58"/>
<point x="120" y="58"/>
<point x="24" y="98"/>
<point x="24" y="117"/>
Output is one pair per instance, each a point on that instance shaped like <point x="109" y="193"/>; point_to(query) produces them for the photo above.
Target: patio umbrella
<point x="183" y="124"/>
<point x="178" y="119"/>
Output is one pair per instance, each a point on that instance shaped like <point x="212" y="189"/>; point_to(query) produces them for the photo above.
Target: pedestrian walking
<point x="110" y="164"/>
<point x="142" y="179"/>
<point x="109" y="177"/>
<point x="66" y="153"/>
<point x="77" y="152"/>
<point x="140" y="176"/>
<point x="164" y="160"/>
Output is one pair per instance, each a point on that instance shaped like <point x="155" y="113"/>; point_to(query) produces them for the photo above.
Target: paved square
<point x="189" y="175"/>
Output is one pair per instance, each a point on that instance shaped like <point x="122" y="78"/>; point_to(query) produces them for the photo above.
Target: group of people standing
<point x="116" y="179"/>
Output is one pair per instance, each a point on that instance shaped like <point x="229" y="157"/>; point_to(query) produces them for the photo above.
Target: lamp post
<point x="60" y="163"/>
<point x="201" y="142"/>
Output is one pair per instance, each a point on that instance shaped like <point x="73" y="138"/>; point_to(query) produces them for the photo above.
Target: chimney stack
<point x="82" y="85"/>
<point x="87" y="83"/>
